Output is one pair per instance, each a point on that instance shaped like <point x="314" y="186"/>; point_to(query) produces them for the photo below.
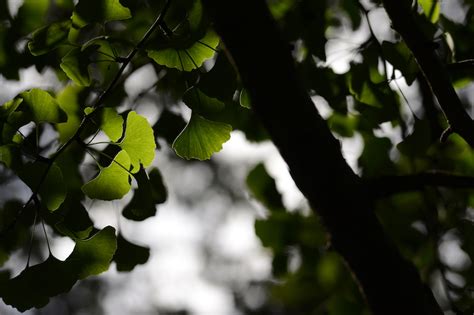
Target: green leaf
<point x="10" y="155"/>
<point x="35" y="285"/>
<point x="244" y="99"/>
<point x="93" y="256"/>
<point x="201" y="138"/>
<point x="9" y="107"/>
<point x="112" y="124"/>
<point x="42" y="107"/>
<point x="74" y="221"/>
<point x="401" y="58"/>
<point x="113" y="181"/>
<point x="169" y="126"/>
<point x="76" y="66"/>
<point x="99" y="11"/>
<point x="52" y="189"/>
<point x="32" y="15"/>
<point x="221" y="81"/>
<point x="344" y="125"/>
<point x="263" y="188"/>
<point x="375" y="160"/>
<point x="419" y="141"/>
<point x="431" y="8"/>
<point x="187" y="58"/>
<point x="200" y="103"/>
<point x="129" y="255"/>
<point x="49" y="37"/>
<point x="150" y="192"/>
<point x="68" y="100"/>
<point x="138" y="141"/>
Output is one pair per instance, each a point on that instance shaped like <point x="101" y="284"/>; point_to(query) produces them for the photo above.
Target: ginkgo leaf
<point x="201" y="138"/>
<point x="112" y="124"/>
<point x="42" y="107"/>
<point x="263" y="188"/>
<point x="129" y="255"/>
<point x="99" y="11"/>
<point x="189" y="58"/>
<point x="68" y="100"/>
<point x="74" y="221"/>
<point x="34" y="286"/>
<point x="52" y="189"/>
<point x="49" y="37"/>
<point x="113" y="181"/>
<point x="138" y="141"/>
<point x="150" y="192"/>
<point x="200" y="103"/>
<point x="76" y="66"/>
<point x="93" y="256"/>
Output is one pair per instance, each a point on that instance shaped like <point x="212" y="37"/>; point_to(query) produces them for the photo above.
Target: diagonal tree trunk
<point x="390" y="283"/>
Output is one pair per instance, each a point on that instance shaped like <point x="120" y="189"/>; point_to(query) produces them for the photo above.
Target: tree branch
<point x="388" y="185"/>
<point x="391" y="284"/>
<point x="435" y="71"/>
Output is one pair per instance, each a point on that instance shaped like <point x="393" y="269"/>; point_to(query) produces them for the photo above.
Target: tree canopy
<point x="373" y="241"/>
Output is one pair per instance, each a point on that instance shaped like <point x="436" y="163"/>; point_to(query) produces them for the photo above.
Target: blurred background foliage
<point x="361" y="76"/>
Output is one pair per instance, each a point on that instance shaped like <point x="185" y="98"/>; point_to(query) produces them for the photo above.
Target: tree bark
<point x="389" y="282"/>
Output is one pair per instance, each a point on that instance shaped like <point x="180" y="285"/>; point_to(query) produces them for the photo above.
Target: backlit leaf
<point x="113" y="181"/>
<point x="68" y="100"/>
<point x="138" y="141"/>
<point x="201" y="138"/>
<point x="42" y="107"/>
<point x="431" y="8"/>
<point x="76" y="66"/>
<point x="188" y="58"/>
<point x="112" y="124"/>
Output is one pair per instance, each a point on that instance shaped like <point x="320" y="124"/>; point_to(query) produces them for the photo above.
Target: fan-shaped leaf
<point x="200" y="103"/>
<point x="113" y="181"/>
<point x="150" y="192"/>
<point x="201" y="138"/>
<point x="42" y="107"/>
<point x="35" y="285"/>
<point x="189" y="58"/>
<point x="138" y="141"/>
<point x="76" y="66"/>
<point x="129" y="255"/>
<point x="68" y="100"/>
<point x="263" y="188"/>
<point x="49" y="37"/>
<point x="52" y="189"/>
<point x="112" y="124"/>
<point x="99" y="11"/>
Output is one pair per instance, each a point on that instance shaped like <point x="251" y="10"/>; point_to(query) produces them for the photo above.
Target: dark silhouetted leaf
<point x="129" y="255"/>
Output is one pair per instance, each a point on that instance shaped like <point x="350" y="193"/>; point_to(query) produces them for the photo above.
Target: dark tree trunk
<point x="390" y="283"/>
